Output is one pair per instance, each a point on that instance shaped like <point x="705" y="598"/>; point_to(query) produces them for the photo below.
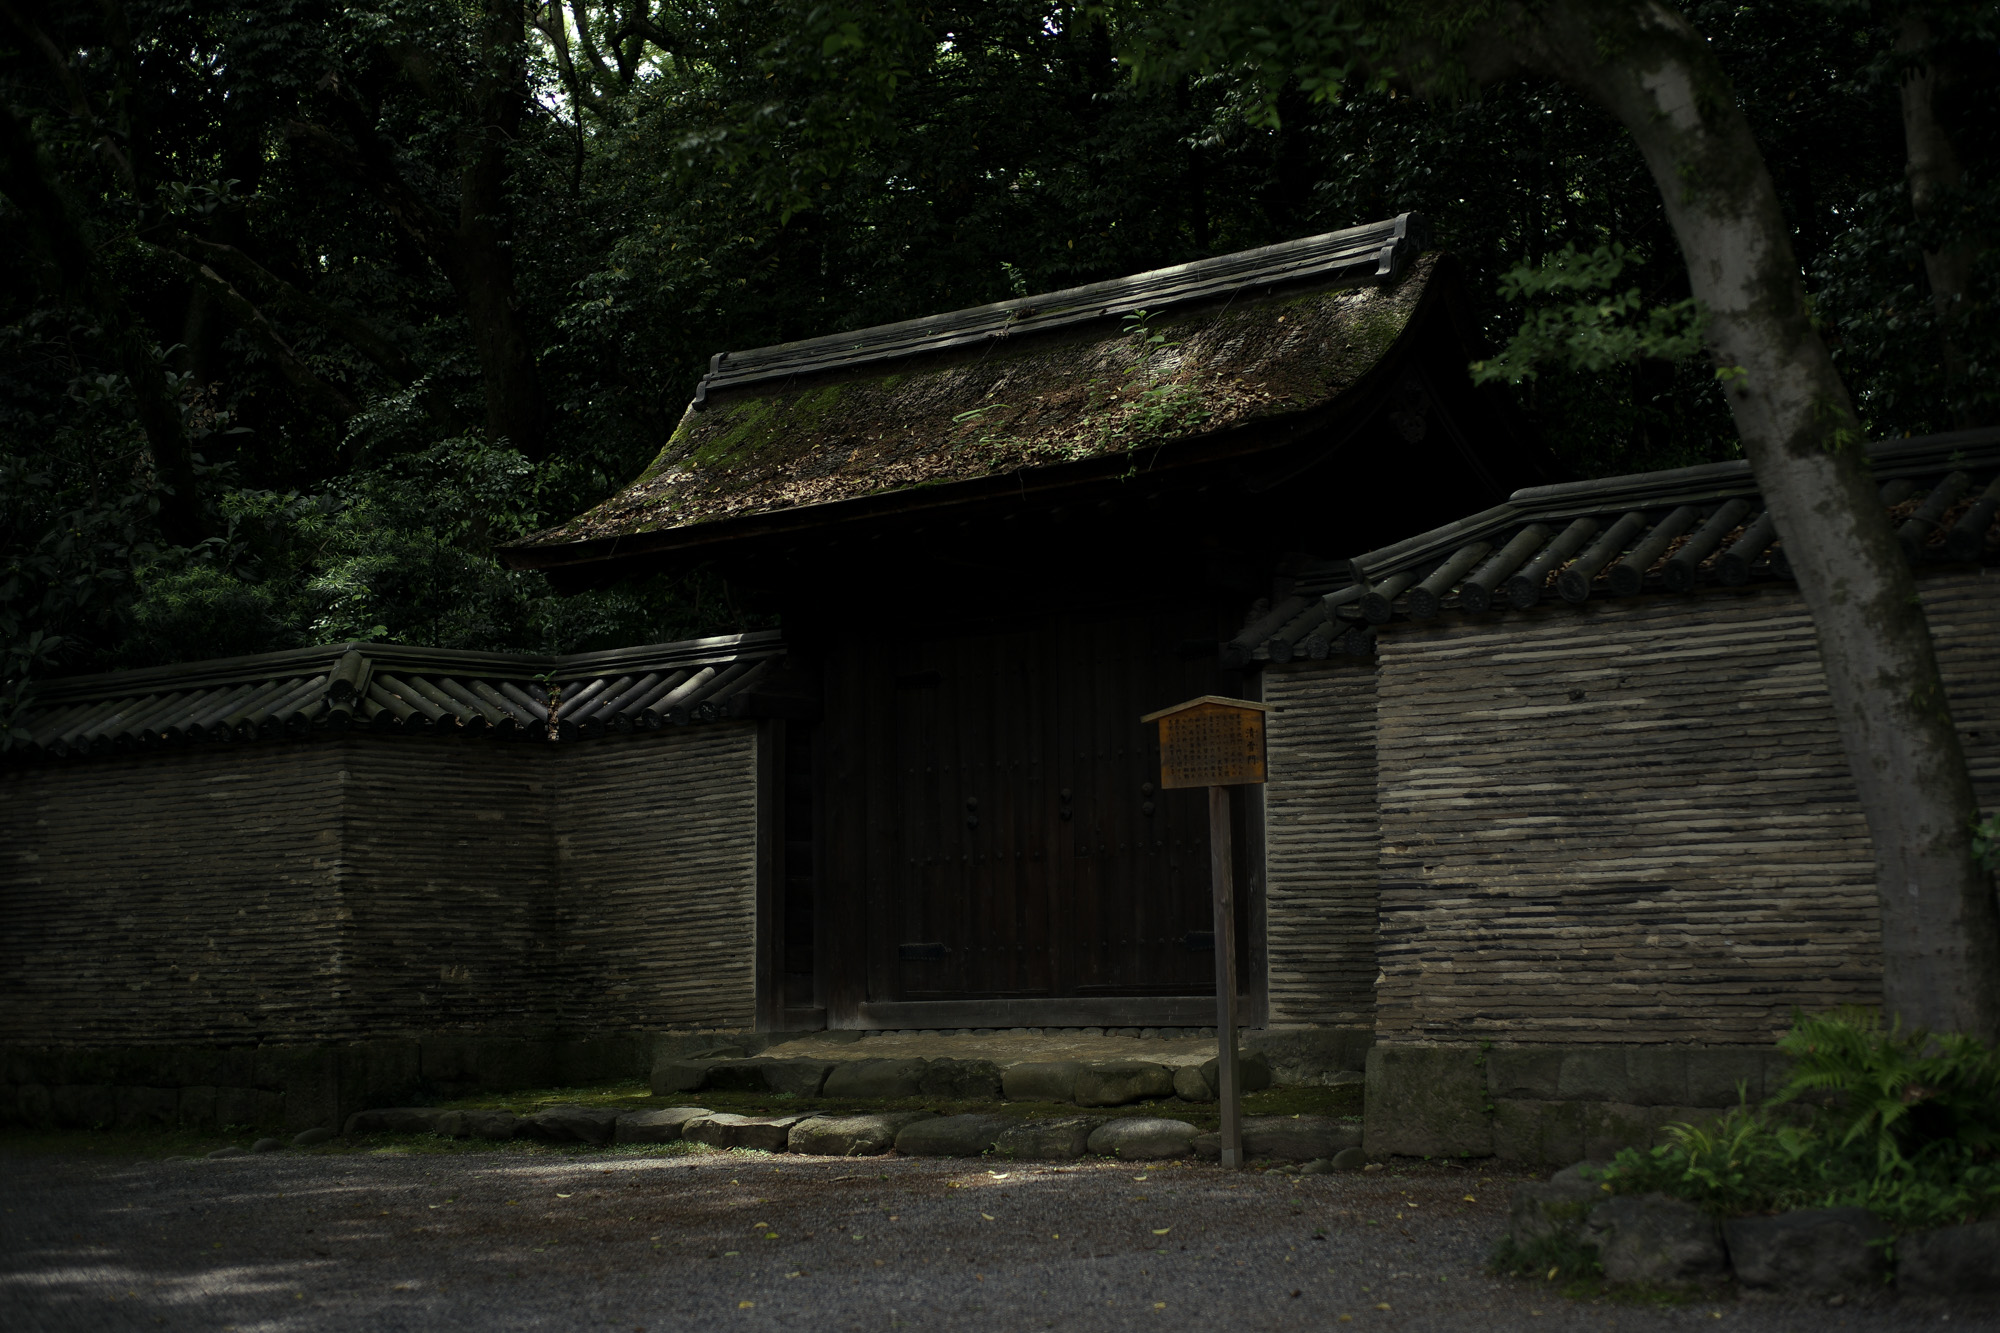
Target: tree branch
<point x="588" y="42"/>
<point x="362" y="335"/>
<point x="370" y="168"/>
<point x="290" y="364"/>
<point x="549" y="20"/>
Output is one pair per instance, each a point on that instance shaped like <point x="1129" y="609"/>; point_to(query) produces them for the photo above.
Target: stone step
<point x="1088" y="1083"/>
<point x="1293" y="1056"/>
<point x="913" y="1133"/>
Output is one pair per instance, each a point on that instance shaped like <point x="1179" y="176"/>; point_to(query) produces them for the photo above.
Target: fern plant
<point x="1904" y="1124"/>
<point x="1901" y="1095"/>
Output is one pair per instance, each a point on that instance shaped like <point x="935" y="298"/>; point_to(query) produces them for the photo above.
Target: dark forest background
<point x="309" y="305"/>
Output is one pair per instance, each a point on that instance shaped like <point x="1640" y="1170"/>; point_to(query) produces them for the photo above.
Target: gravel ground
<point x="495" y="1241"/>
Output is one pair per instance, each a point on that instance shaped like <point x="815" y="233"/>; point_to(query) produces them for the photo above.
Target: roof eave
<point x="1705" y="483"/>
<point x="1264" y="433"/>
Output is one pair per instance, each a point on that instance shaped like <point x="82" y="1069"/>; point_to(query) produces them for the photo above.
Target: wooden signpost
<point x="1217" y="743"/>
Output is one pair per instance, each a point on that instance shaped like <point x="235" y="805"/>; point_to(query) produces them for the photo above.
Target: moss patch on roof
<point x="1000" y="408"/>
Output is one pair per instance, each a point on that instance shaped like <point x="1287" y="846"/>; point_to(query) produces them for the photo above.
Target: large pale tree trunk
<point x="1648" y="67"/>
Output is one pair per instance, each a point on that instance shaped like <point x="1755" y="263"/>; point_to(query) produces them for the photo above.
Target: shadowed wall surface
<point x="1620" y="845"/>
<point x="280" y="933"/>
<point x="1321" y="845"/>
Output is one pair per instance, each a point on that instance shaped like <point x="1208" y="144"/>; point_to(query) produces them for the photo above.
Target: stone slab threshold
<point x="1327" y="1142"/>
<point x="1303" y="1056"/>
<point x="1087" y="1083"/>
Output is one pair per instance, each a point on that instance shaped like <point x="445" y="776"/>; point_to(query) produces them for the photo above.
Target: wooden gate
<point x="1037" y="856"/>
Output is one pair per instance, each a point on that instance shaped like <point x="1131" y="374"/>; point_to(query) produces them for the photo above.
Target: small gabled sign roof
<point x="1206" y="699"/>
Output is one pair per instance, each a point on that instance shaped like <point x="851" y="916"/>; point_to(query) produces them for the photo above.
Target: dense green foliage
<point x="327" y="300"/>
<point x="1904" y="1124"/>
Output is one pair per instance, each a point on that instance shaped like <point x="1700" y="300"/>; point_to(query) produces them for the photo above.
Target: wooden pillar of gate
<point x="1218" y="743"/>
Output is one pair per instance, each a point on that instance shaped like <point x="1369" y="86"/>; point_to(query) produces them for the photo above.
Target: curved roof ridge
<point x="1377" y="249"/>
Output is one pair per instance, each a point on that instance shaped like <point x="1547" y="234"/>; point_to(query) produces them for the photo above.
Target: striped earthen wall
<point x="657" y="859"/>
<point x="1321" y="844"/>
<point x="451" y="921"/>
<point x="187" y="896"/>
<point x="369" y="888"/>
<point x="1964" y="611"/>
<point x="1632" y="821"/>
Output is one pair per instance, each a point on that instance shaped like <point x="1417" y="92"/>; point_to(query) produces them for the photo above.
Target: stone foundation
<point x="1551" y="1105"/>
<point x="292" y="1087"/>
<point x="302" y="1086"/>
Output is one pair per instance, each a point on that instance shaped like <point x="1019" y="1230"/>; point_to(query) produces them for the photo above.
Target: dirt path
<point x="475" y="1241"/>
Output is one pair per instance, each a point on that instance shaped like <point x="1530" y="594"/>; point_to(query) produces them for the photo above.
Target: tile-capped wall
<point x="1630" y="821"/>
<point x="657" y="858"/>
<point x="1321" y="844"/>
<point x="187" y="896"/>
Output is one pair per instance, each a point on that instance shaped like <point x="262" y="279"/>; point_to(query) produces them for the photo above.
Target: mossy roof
<point x="1100" y="387"/>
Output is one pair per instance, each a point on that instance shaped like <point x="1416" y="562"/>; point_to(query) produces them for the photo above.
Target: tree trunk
<point x="513" y="386"/>
<point x="1935" y="173"/>
<point x="25" y="179"/>
<point x="1649" y="67"/>
<point x="475" y="250"/>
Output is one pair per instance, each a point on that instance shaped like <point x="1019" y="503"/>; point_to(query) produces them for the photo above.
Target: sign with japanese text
<point x="1211" y="742"/>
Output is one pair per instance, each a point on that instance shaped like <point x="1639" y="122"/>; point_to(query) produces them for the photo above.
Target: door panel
<point x="1035" y="854"/>
<point x="1136" y="885"/>
<point x="975" y="899"/>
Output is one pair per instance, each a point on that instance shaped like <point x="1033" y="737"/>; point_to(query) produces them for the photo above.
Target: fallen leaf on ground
<point x="987" y="1216"/>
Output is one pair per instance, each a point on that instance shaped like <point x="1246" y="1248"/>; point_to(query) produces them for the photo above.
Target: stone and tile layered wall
<point x="190" y="896"/>
<point x="1964" y="612"/>
<point x="657" y="858"/>
<point x="281" y="933"/>
<point x="1629" y="821"/>
<point x="1321" y="844"/>
<point x="1620" y="845"/>
<point x="451" y="917"/>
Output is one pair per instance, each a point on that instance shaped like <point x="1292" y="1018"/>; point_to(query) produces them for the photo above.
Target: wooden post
<point x="1228" y="1085"/>
<point x="1217" y="743"/>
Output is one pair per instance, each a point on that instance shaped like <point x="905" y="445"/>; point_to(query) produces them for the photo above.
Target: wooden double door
<point x="1029" y="850"/>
